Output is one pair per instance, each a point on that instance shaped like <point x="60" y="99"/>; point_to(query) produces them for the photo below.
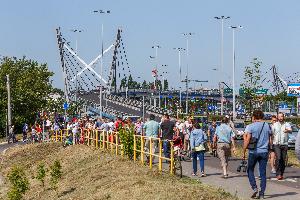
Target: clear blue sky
<point x="271" y="32"/>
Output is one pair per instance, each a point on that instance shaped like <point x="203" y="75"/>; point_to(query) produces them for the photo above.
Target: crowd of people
<point x="264" y="142"/>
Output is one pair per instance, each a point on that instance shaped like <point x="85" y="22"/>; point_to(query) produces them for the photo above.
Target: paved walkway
<point x="237" y="183"/>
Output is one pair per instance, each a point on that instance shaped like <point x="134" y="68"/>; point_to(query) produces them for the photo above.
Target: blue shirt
<point x="197" y="137"/>
<point x="151" y="128"/>
<point x="224" y="133"/>
<point x="263" y="142"/>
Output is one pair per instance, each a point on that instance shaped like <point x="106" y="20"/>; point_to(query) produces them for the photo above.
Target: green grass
<point x="96" y="174"/>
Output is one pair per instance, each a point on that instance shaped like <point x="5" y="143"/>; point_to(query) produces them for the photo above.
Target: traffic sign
<point x="66" y="106"/>
<point x="228" y="91"/>
<point x="261" y="91"/>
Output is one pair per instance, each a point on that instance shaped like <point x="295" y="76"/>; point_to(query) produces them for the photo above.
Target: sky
<point x="271" y="32"/>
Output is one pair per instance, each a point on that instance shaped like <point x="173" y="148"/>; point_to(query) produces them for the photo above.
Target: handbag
<point x="253" y="142"/>
<point x="201" y="147"/>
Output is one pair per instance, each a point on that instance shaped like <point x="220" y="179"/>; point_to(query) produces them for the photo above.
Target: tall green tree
<point x="30" y="86"/>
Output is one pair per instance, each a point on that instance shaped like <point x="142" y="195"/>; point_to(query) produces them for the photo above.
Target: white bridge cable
<point x="81" y="78"/>
<point x="81" y="68"/>
<point x="88" y="66"/>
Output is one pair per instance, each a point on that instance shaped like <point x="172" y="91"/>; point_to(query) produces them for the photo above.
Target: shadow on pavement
<point x="280" y="195"/>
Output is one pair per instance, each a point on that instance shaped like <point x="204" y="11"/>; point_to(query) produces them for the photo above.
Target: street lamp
<point x="101" y="61"/>
<point x="179" y="49"/>
<point x="76" y="31"/>
<point x="222" y="18"/>
<point x="233" y="69"/>
<point x="156" y="47"/>
<point x="187" y="36"/>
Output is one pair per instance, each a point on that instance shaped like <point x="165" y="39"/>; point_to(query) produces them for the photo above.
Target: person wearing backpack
<point x="258" y="140"/>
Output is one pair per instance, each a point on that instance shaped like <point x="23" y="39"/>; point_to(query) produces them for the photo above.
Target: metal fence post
<point x="97" y="139"/>
<point x="142" y="150"/>
<point x="172" y="159"/>
<point x="150" y="146"/>
<point x="116" y="143"/>
<point x="160" y="156"/>
<point x="134" y="148"/>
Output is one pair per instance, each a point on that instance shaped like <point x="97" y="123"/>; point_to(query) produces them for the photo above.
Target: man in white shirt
<point x="280" y="130"/>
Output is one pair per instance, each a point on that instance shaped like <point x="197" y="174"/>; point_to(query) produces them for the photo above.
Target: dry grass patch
<point x="94" y="174"/>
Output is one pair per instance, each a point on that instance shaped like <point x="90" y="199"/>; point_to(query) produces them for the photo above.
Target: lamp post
<point x="76" y="31"/>
<point x="156" y="47"/>
<point x="222" y="18"/>
<point x="101" y="61"/>
<point x="187" y="36"/>
<point x="234" y="28"/>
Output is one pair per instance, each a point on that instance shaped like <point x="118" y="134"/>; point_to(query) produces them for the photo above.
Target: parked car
<point x="293" y="136"/>
<point x="239" y="130"/>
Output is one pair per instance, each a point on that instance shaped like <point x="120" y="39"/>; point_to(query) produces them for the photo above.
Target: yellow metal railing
<point x="156" y="142"/>
<point x="110" y="140"/>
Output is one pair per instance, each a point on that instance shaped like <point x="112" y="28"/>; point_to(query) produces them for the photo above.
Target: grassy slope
<point x="94" y="174"/>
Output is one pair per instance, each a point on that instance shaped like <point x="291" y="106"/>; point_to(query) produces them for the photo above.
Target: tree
<point x="252" y="83"/>
<point x="145" y="85"/>
<point x="30" y="86"/>
<point x="166" y="84"/>
<point x="130" y="82"/>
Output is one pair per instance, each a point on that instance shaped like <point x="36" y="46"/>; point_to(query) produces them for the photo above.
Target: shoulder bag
<point x="253" y="142"/>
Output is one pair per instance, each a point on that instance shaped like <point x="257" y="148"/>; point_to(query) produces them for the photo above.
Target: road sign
<point x="261" y="91"/>
<point x="293" y="90"/>
<point x="66" y="106"/>
<point x="228" y="91"/>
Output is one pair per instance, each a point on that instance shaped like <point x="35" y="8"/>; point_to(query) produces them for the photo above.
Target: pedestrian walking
<point x="197" y="143"/>
<point x="257" y="139"/>
<point x="297" y="145"/>
<point x="210" y="134"/>
<point x="224" y="141"/>
<point x="167" y="131"/>
<point x="272" y="156"/>
<point x="281" y="130"/>
<point x="151" y="129"/>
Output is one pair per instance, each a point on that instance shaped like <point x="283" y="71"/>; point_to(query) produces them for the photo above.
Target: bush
<point x="127" y="139"/>
<point x="41" y="173"/>
<point x="56" y="173"/>
<point x="19" y="183"/>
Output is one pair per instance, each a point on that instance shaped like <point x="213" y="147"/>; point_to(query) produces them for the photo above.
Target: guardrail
<point x="110" y="140"/>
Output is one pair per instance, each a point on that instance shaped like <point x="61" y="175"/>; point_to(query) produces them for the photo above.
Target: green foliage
<point x="30" y="85"/>
<point x="19" y="183"/>
<point x="166" y="84"/>
<point x="41" y="173"/>
<point x="252" y="82"/>
<point x="127" y="139"/>
<point x="56" y="174"/>
<point x="145" y="85"/>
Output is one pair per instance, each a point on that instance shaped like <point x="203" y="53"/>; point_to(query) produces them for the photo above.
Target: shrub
<point x="127" y="139"/>
<point x="56" y="173"/>
<point x="19" y="183"/>
<point x="41" y="173"/>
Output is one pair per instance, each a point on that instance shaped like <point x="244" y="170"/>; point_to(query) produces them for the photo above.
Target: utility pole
<point x="179" y="49"/>
<point x="222" y="18"/>
<point x="233" y="70"/>
<point x="187" y="35"/>
<point x="9" y="123"/>
<point x="221" y="88"/>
